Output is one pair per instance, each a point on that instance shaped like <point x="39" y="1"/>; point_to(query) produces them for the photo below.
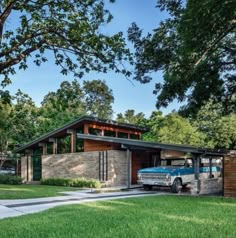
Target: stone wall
<point x="207" y="186"/>
<point x="117" y="168"/>
<point x="86" y="164"/>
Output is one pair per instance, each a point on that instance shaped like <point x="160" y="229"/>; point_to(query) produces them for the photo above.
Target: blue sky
<point x="38" y="81"/>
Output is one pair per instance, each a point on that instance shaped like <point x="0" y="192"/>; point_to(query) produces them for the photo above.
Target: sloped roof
<point x="80" y="120"/>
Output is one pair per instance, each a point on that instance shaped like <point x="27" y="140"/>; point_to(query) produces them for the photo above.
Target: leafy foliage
<point x="219" y="129"/>
<point x="70" y="29"/>
<point x="72" y="100"/>
<point x="173" y="129"/>
<point x="195" y="49"/>
<point x="10" y="179"/>
<point x="98" y="98"/>
<point x="130" y="117"/>
<point x="75" y="182"/>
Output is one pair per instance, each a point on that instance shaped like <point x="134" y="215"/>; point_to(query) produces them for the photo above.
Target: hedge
<point x="10" y="179"/>
<point x="75" y="182"/>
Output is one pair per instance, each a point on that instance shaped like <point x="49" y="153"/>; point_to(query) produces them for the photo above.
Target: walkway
<point x="12" y="208"/>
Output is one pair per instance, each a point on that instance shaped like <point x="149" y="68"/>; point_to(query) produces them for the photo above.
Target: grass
<point x="31" y="191"/>
<point x="146" y="217"/>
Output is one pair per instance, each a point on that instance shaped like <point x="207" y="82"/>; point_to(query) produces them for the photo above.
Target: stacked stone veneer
<point x="207" y="186"/>
<point x="86" y="164"/>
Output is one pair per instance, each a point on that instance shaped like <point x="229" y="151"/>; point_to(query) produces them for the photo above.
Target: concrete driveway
<point x="12" y="208"/>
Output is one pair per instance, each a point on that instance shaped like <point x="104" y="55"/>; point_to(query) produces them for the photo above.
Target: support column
<point x="29" y="173"/>
<point x="196" y="173"/>
<point x="210" y="165"/>
<point x="54" y="145"/>
<point x="128" y="155"/>
<point x="72" y="140"/>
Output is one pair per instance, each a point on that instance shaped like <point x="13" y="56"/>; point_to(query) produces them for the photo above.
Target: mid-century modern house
<point x="101" y="149"/>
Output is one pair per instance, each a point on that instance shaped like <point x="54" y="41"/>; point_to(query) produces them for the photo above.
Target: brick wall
<point x="86" y="164"/>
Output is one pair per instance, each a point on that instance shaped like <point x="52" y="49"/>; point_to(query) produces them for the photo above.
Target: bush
<point x="10" y="179"/>
<point x="76" y="182"/>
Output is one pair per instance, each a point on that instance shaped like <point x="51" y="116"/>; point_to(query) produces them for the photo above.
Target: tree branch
<point x="4" y="16"/>
<point x="20" y="57"/>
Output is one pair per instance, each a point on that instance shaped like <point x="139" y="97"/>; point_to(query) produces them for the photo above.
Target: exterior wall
<point x="117" y="168"/>
<point x="93" y="145"/>
<point x="140" y="159"/>
<point x="171" y="154"/>
<point x="71" y="165"/>
<point x="86" y="164"/>
<point x="230" y="175"/>
<point x="211" y="186"/>
<point x="207" y="186"/>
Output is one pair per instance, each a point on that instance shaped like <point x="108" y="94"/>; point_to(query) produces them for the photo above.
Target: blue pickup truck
<point x="173" y="173"/>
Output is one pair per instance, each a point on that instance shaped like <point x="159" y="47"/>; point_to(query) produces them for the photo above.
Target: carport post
<point x="196" y="160"/>
<point x="128" y="155"/>
<point x="210" y="165"/>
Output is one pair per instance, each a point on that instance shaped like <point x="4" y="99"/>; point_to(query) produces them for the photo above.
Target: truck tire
<point x="147" y="187"/>
<point x="176" y="186"/>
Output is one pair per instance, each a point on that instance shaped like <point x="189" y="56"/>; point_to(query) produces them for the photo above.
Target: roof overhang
<point x="144" y="145"/>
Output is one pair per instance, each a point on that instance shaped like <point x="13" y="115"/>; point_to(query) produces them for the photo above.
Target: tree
<point x="62" y="106"/>
<point x="219" y="129"/>
<point x="195" y="49"/>
<point x="70" y="29"/>
<point x="130" y="117"/>
<point x="18" y="124"/>
<point x="5" y="131"/>
<point x="173" y="129"/>
<point x="98" y="99"/>
<point x="72" y="100"/>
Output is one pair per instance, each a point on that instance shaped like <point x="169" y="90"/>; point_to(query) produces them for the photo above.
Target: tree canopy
<point x="72" y="100"/>
<point x="70" y="29"/>
<point x="173" y="129"/>
<point x="195" y="49"/>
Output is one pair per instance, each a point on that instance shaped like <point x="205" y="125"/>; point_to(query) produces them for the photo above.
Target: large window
<point x="109" y="133"/>
<point x="122" y="135"/>
<point x="134" y="137"/>
<point x="79" y="142"/>
<point x="49" y="148"/>
<point x="95" y="131"/>
<point x="64" y="145"/>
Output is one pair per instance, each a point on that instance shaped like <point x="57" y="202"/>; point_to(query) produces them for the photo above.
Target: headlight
<point x="168" y="177"/>
<point x="139" y="176"/>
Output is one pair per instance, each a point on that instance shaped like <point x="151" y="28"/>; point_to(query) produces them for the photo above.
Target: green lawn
<point x="146" y="217"/>
<point x="30" y="191"/>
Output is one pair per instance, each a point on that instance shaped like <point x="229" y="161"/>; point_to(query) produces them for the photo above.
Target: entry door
<point x="37" y="167"/>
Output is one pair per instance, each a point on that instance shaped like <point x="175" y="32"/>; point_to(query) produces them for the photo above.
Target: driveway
<point x="12" y="208"/>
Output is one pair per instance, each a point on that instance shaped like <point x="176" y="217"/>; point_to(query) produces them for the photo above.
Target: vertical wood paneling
<point x="230" y="176"/>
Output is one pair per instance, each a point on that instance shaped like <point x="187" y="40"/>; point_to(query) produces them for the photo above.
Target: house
<point x="101" y="149"/>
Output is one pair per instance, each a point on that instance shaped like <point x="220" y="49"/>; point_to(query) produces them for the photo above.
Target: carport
<point x="136" y="148"/>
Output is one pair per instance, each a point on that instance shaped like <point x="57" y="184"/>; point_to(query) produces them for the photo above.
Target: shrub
<point x="75" y="182"/>
<point x="10" y="179"/>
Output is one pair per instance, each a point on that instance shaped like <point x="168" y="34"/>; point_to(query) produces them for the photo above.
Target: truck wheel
<point x="147" y="187"/>
<point x="176" y="186"/>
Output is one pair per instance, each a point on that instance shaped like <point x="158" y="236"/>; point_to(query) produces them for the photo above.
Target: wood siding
<point x="140" y="159"/>
<point x="93" y="145"/>
<point x="230" y="176"/>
